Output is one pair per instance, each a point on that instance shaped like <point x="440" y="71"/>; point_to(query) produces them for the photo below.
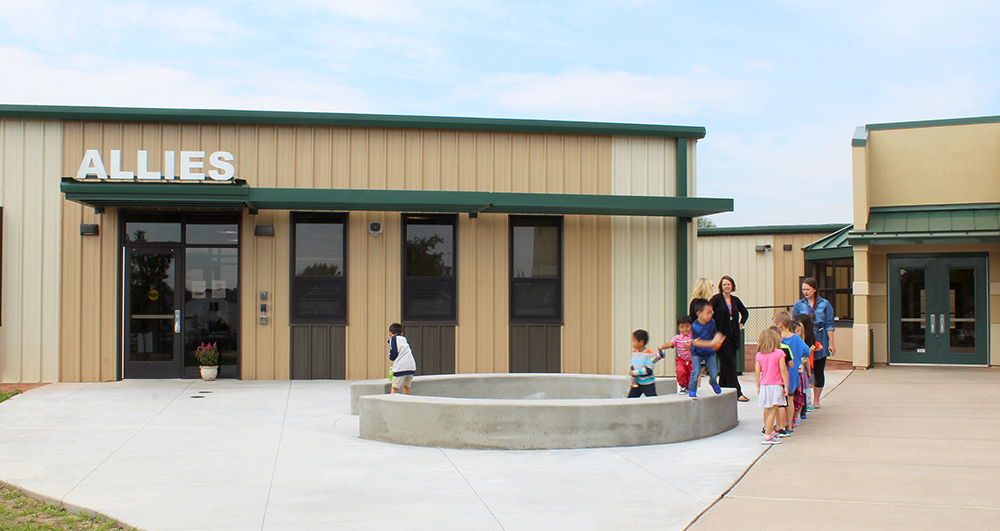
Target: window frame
<point x="537" y="221"/>
<point x="407" y="316"/>
<point x="317" y="217"/>
<point x="830" y="292"/>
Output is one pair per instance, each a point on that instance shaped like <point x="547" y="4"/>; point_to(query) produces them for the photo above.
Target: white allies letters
<point x="191" y="161"/>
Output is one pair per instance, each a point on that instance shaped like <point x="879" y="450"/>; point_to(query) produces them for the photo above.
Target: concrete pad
<point x="286" y="455"/>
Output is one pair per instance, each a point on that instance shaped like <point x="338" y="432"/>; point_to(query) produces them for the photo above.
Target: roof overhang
<point x="102" y="194"/>
<point x="928" y="224"/>
<point x="832" y="246"/>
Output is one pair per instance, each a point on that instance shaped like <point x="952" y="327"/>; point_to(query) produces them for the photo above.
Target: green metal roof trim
<point x="101" y="194"/>
<point x="832" y="246"/>
<point x="968" y="223"/>
<point x="771" y="229"/>
<point x="127" y="114"/>
<point x="934" y="123"/>
<point x="860" y="138"/>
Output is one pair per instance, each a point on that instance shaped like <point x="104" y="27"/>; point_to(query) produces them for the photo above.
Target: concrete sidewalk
<point x="906" y="448"/>
<point x="286" y="455"/>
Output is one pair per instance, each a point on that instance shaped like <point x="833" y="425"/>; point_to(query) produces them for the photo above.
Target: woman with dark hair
<point x="730" y="316"/>
<point x="821" y="312"/>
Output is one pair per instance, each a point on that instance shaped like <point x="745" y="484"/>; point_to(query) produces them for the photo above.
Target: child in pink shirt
<point x="681" y="342"/>
<point x="771" y="376"/>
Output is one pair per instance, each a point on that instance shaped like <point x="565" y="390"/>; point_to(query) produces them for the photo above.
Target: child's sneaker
<point x="766" y="439"/>
<point x="683" y="391"/>
<point x="717" y="389"/>
<point x="775" y="438"/>
<point x="810" y="408"/>
<point x="784" y="433"/>
<point x="803" y="415"/>
<point x="693" y="393"/>
<point x="796" y="422"/>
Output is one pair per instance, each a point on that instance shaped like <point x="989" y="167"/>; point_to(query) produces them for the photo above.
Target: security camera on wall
<point x="375" y="227"/>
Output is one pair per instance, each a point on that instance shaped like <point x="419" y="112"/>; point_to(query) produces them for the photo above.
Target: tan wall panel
<point x="483" y="296"/>
<point x="907" y="166"/>
<point x="587" y="342"/>
<point x="790" y="265"/>
<point x="374" y="297"/>
<point x="643" y="248"/>
<point x="753" y="271"/>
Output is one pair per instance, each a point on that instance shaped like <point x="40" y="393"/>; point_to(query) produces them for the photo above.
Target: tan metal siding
<point x="753" y="271"/>
<point x="29" y="190"/>
<point x="306" y="157"/>
<point x="644" y="268"/>
<point x="790" y="265"/>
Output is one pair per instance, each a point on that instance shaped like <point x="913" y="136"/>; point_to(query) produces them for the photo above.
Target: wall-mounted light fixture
<point x="87" y="229"/>
<point x="375" y="228"/>
<point x="263" y="230"/>
<point x="762" y="248"/>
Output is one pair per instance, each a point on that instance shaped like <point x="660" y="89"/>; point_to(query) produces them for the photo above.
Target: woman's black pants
<point x="727" y="365"/>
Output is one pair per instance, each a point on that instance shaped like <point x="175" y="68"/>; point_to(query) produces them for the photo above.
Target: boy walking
<point x="642" y="366"/>
<point x="403" y="365"/>
<point x="704" y="341"/>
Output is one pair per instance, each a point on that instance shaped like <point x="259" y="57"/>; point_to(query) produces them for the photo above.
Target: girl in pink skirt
<point x="771" y="377"/>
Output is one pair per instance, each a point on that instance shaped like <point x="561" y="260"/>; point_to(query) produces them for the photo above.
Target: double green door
<point x="938" y="310"/>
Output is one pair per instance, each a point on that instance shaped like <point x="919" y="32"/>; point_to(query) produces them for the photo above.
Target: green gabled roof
<point x="832" y="246"/>
<point x="104" y="193"/>
<point x="138" y="114"/>
<point x="966" y="223"/>
<point x="770" y="229"/>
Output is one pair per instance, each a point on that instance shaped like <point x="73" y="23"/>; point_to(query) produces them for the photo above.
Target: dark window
<point x="429" y="268"/>
<point x="836" y="284"/>
<point x="535" y="269"/>
<point x="319" y="281"/>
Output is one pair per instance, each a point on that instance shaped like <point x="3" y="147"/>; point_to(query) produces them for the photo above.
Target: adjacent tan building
<point x="292" y="240"/>
<point x="926" y="242"/>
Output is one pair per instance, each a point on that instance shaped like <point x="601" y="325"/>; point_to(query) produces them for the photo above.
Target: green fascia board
<point x="829" y="254"/>
<point x="137" y="114"/>
<point x="772" y="229"/>
<point x="615" y="205"/>
<point x="934" y="208"/>
<point x="934" y="123"/>
<point x="100" y="194"/>
<point x="860" y="138"/>
<point x="865" y="238"/>
<point x="371" y="200"/>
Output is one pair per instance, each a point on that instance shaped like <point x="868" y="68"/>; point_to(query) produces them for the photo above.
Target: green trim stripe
<point x="126" y="114"/>
<point x="772" y="229"/>
<point x="100" y="194"/>
<point x="934" y="123"/>
<point x="920" y="224"/>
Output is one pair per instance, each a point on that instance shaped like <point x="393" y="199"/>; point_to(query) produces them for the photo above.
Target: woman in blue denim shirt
<point x="822" y="314"/>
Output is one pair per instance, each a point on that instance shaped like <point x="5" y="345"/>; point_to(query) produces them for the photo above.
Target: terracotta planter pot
<point x="209" y="373"/>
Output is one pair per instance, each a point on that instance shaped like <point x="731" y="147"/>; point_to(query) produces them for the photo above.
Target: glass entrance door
<point x="937" y="311"/>
<point x="153" y="321"/>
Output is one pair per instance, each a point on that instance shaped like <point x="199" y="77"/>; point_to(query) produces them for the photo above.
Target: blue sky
<point x="779" y="85"/>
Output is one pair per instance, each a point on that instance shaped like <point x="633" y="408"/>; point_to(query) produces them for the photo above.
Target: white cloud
<point x="88" y="79"/>
<point x="779" y="177"/>
<point x="65" y="23"/>
<point x="611" y="94"/>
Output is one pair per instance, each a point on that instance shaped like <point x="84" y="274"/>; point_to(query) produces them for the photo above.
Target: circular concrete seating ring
<point x="536" y="411"/>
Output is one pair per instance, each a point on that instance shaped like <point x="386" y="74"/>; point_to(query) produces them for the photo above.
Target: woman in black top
<point x="730" y="316"/>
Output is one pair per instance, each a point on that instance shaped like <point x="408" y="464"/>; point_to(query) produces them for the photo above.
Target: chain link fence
<point x="760" y="317"/>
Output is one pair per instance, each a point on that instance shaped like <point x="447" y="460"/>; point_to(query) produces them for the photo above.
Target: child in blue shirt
<point x="704" y="341"/>
<point x="644" y="382"/>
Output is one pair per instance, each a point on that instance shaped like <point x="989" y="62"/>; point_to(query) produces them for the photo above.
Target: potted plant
<point x="207" y="355"/>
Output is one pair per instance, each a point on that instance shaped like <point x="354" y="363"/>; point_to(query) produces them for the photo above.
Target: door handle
<point x="941" y="327"/>
<point x="932" y="324"/>
<point x="177" y="321"/>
